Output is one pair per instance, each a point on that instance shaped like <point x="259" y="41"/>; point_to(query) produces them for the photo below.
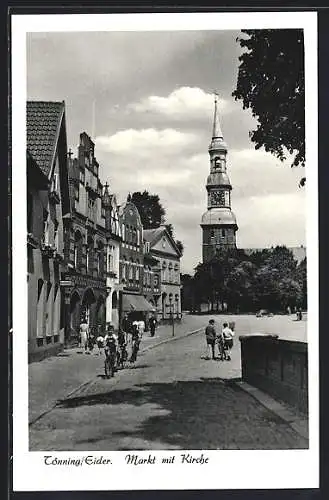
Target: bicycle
<point x="110" y="362"/>
<point x="122" y="355"/>
<point x="135" y="349"/>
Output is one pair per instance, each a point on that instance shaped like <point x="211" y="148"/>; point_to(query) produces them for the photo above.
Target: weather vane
<point x="215" y="92"/>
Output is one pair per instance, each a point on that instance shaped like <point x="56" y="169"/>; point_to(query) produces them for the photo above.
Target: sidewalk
<point x="58" y="377"/>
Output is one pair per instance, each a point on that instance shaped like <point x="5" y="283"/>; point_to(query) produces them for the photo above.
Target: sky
<point x="146" y="98"/>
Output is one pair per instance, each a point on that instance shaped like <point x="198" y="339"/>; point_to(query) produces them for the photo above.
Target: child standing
<point x="228" y="335"/>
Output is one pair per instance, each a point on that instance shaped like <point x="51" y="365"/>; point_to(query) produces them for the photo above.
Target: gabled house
<point x="163" y="248"/>
<point x="47" y="203"/>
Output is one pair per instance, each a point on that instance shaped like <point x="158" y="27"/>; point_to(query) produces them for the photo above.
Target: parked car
<point x="263" y="312"/>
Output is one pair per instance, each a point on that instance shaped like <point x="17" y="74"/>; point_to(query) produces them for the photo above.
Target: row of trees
<point x="268" y="279"/>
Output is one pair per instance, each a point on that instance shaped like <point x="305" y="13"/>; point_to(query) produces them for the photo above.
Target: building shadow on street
<point x="208" y="413"/>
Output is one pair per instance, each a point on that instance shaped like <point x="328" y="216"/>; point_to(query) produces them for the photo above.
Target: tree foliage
<point x="269" y="279"/>
<point x="152" y="213"/>
<point x="271" y="83"/>
<point x="149" y="207"/>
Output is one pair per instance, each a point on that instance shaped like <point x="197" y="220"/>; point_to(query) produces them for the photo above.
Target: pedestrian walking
<point x="141" y="328"/>
<point x="299" y="314"/>
<point x="152" y="325"/>
<point x="211" y="339"/>
<point x="135" y="341"/>
<point x="84" y="334"/>
<point x="228" y="335"/>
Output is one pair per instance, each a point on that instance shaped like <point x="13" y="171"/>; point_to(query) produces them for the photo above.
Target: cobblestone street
<point x="171" y="399"/>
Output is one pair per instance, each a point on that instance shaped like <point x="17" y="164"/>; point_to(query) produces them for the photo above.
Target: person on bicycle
<point x="122" y="348"/>
<point x="110" y="343"/>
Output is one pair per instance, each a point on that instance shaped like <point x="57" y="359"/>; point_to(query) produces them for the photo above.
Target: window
<point x="223" y="233"/>
<point x="103" y="212"/>
<point x="137" y="271"/>
<point x="99" y="258"/>
<point x="156" y="280"/>
<point x="138" y="237"/>
<point x="76" y="255"/>
<point x="212" y="233"/>
<point x="131" y="270"/>
<point x="87" y="258"/>
<point x="76" y="193"/>
<point x="147" y="246"/>
<point x="56" y="235"/>
<point x="91" y="209"/>
<point x="82" y="176"/>
<point x="46" y="232"/>
<point x="123" y="268"/>
<point x="77" y="249"/>
<point x="123" y="232"/>
<point x="54" y="183"/>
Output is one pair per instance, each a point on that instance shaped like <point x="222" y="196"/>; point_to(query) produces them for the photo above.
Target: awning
<point x="136" y="303"/>
<point x="145" y="304"/>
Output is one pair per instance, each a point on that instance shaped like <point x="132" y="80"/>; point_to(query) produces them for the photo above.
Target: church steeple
<point x="218" y="223"/>
<point x="217" y="143"/>
<point x="216" y="130"/>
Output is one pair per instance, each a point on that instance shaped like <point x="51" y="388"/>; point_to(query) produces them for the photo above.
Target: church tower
<point x="218" y="222"/>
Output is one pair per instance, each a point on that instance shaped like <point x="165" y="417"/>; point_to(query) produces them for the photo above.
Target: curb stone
<point x="170" y="339"/>
<point x="298" y="424"/>
<point x="88" y="382"/>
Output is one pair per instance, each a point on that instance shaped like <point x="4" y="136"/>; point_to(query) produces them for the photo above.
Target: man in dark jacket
<point x="211" y="337"/>
<point x="152" y="325"/>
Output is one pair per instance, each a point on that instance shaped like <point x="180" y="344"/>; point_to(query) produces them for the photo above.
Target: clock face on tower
<point x="217" y="198"/>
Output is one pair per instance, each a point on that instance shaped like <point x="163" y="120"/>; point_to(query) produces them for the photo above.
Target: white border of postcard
<point x="227" y="469"/>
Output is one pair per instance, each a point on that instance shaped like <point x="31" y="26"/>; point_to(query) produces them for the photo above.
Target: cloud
<point x="257" y="172"/>
<point x="272" y="219"/>
<point x="145" y="142"/>
<point x="188" y="102"/>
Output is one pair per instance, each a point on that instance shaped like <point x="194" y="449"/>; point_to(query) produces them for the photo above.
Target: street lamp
<point x="176" y="300"/>
<point x="172" y="315"/>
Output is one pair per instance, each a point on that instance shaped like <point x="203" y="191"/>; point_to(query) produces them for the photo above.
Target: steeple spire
<point x="216" y="130"/>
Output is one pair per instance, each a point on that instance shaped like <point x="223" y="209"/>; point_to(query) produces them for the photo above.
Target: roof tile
<point x="43" y="120"/>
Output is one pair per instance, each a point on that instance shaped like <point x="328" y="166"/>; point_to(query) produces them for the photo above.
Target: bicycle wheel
<point x="109" y="372"/>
